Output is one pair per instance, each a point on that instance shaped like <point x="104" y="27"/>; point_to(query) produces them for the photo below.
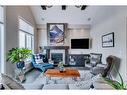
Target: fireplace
<point x="57" y="57"/>
<point x="57" y="53"/>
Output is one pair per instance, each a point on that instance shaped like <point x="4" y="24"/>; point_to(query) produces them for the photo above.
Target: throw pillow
<point x="38" y="58"/>
<point x="10" y="82"/>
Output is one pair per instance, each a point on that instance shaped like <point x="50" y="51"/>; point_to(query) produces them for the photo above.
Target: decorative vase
<point x="61" y="69"/>
<point x="20" y="64"/>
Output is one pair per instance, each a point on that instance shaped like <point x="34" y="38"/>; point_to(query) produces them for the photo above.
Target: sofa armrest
<point x="101" y="65"/>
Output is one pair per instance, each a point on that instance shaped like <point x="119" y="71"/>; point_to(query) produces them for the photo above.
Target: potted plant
<point x="120" y="85"/>
<point x="18" y="56"/>
<point x="61" y="66"/>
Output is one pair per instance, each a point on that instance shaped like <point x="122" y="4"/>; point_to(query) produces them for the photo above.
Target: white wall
<point x="111" y="19"/>
<point x="73" y="32"/>
<point x="12" y="14"/>
<point x="77" y="34"/>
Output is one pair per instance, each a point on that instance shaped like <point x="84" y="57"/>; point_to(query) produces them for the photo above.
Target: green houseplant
<point x="120" y="85"/>
<point x="18" y="56"/>
<point x="61" y="66"/>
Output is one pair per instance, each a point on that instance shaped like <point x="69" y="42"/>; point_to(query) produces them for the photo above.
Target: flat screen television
<point x="80" y="43"/>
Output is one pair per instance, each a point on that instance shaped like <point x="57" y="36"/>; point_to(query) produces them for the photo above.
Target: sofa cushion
<point x="33" y="86"/>
<point x="84" y="75"/>
<point x="97" y="70"/>
<point x="82" y="85"/>
<point x="55" y="86"/>
<point x="65" y="81"/>
<point x="10" y="82"/>
<point x="46" y="64"/>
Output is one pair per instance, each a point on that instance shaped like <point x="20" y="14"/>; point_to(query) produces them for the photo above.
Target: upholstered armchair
<point x="94" y="59"/>
<point x="105" y="69"/>
<point x="39" y="63"/>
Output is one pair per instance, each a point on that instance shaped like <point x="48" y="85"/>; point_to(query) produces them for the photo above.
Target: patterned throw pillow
<point x="38" y="58"/>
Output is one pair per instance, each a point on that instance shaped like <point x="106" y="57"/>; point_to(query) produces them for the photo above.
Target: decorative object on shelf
<point x="61" y="67"/>
<point x="72" y="61"/>
<point x="40" y="49"/>
<point x="87" y="59"/>
<point x="108" y="40"/>
<point x="56" y="33"/>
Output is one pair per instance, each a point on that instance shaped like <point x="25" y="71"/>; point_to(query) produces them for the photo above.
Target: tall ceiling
<point x="71" y="15"/>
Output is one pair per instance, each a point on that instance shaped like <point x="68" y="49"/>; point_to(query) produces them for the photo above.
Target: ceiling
<point x="71" y="15"/>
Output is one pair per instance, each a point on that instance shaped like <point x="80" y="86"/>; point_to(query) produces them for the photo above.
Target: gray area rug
<point x="36" y="75"/>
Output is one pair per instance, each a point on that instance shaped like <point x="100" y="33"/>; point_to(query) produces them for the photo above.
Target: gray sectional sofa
<point x="82" y="83"/>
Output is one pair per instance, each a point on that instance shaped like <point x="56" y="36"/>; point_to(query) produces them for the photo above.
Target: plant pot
<point x="20" y="64"/>
<point x="61" y="69"/>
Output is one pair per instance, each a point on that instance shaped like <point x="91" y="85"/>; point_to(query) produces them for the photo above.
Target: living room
<point x="92" y="23"/>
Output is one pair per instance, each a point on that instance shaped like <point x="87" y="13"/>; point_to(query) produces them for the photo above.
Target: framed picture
<point x="56" y="33"/>
<point x="108" y="40"/>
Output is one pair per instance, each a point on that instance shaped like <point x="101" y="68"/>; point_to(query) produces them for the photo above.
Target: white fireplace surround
<point x="58" y="51"/>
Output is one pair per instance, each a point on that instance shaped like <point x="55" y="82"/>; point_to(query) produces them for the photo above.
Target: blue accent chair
<point x="43" y="66"/>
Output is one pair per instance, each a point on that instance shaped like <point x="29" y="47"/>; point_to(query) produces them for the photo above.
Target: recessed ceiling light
<point x="89" y="19"/>
<point x="78" y="6"/>
<point x="49" y="6"/>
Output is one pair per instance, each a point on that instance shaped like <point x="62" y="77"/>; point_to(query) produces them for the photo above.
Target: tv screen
<point x="80" y="43"/>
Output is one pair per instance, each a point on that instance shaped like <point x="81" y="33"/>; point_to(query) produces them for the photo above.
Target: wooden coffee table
<point x="56" y="73"/>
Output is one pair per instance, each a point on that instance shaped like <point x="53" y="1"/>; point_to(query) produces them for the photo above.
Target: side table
<point x="19" y="75"/>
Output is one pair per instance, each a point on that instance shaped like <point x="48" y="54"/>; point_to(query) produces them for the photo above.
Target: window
<point x="26" y="35"/>
<point x="2" y="39"/>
